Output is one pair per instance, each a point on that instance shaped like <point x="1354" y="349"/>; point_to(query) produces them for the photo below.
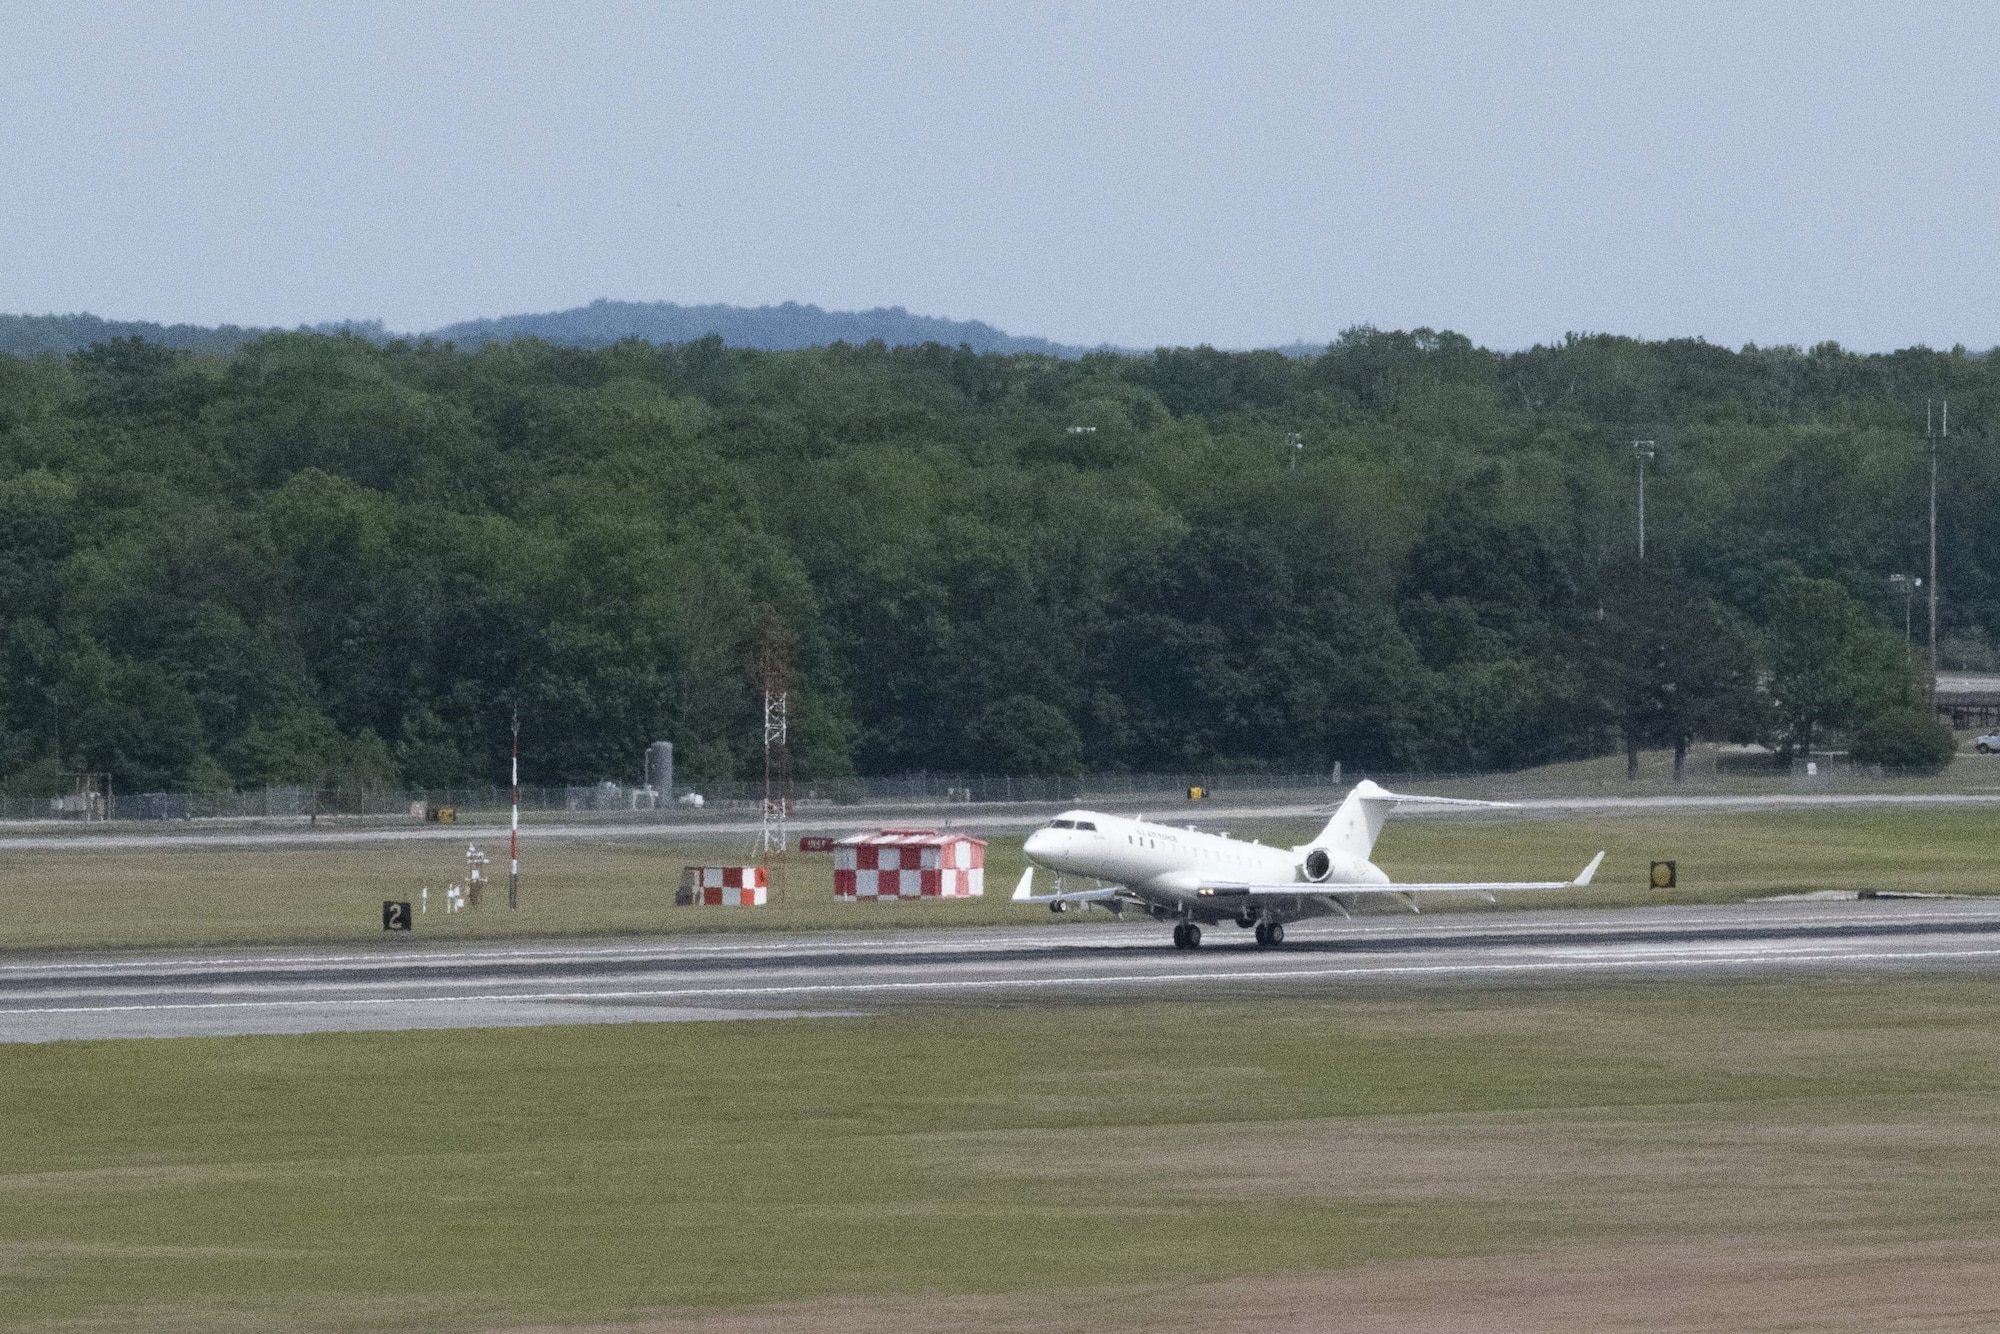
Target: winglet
<point x="1589" y="870"/>
<point x="1026" y="888"/>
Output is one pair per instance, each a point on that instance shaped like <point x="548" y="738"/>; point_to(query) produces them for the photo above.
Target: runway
<point x="1007" y="818"/>
<point x="408" y="985"/>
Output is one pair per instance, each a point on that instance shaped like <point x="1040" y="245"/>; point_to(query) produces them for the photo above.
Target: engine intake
<point x="1318" y="864"/>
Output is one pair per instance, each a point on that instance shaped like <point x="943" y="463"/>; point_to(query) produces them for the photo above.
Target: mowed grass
<point x="1722" y="856"/>
<point x="181" y="896"/>
<point x="469" y="1180"/>
<point x="144" y="897"/>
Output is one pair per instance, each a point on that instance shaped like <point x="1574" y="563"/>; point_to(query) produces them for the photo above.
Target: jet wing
<point x="1024" y="892"/>
<point x="1227" y="889"/>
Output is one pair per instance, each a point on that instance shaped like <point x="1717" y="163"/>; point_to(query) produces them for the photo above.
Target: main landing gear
<point x="1187" y="936"/>
<point x="1270" y="933"/>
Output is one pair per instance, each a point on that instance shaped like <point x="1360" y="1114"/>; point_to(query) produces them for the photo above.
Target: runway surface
<point x="411" y="985"/>
<point x="987" y="819"/>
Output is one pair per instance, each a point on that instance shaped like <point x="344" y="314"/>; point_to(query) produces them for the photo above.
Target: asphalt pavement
<point x="49" y="835"/>
<point x="408" y="984"/>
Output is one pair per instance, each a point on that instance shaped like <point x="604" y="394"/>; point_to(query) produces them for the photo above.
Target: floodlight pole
<point x="514" y="829"/>
<point x="1934" y="441"/>
<point x="1908" y="587"/>
<point x="1641" y="451"/>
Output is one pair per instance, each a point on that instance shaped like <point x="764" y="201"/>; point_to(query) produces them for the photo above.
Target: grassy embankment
<point x="466" y="1180"/>
<point x="137" y="897"/>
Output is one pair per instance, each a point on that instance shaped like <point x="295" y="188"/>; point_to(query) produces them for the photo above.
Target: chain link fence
<point x="1708" y="769"/>
<point x="300" y="802"/>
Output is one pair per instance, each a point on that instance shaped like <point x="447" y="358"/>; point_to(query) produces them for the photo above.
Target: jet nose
<point x="1038" y="843"/>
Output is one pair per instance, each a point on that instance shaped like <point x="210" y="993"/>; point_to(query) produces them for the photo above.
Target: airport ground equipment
<point x="909" y="864"/>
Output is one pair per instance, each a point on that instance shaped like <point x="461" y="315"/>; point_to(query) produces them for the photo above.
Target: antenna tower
<point x="774" y="837"/>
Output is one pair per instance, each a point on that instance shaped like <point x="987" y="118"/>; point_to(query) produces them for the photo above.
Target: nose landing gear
<point x="1270" y="933"/>
<point x="1187" y="936"/>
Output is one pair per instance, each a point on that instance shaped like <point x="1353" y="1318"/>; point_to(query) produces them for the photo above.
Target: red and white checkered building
<point x="723" y="887"/>
<point x="909" y="864"/>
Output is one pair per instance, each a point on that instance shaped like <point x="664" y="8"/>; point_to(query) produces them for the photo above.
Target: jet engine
<point x="1318" y="864"/>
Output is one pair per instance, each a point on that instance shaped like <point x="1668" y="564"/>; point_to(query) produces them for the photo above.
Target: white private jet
<point x="1190" y="878"/>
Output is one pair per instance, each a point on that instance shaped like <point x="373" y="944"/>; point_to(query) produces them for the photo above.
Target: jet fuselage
<point x="1186" y="872"/>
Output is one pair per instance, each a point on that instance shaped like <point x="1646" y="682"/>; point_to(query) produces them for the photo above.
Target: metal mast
<point x="777" y="753"/>
<point x="1935" y="441"/>
<point x="514" y="830"/>
<point x="1642" y="450"/>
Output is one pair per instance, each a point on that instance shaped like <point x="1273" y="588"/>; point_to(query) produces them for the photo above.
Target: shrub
<point x="1906" y="739"/>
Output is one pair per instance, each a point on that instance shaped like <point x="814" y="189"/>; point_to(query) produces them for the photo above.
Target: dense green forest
<point x="331" y="559"/>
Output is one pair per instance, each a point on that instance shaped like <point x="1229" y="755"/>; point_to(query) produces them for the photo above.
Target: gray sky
<point x="1238" y="174"/>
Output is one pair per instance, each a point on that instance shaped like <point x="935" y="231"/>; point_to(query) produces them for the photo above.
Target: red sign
<point x="816" y="843"/>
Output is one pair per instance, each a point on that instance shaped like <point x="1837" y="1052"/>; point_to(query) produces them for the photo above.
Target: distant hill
<point x="599" y="324"/>
<point x="772" y="328"/>
<point x="30" y="335"/>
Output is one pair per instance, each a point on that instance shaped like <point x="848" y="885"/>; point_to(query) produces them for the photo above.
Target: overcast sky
<point x="1238" y="174"/>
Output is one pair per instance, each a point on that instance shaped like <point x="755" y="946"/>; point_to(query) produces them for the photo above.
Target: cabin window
<point x="1062" y="824"/>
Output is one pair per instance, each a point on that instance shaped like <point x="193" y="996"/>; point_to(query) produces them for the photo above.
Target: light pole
<point x="1641" y="451"/>
<point x="1943" y="431"/>
<point x="514" y="822"/>
<point x="1904" y="584"/>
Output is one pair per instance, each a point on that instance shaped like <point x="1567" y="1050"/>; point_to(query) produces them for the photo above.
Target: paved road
<point x="975" y="819"/>
<point x="745" y="977"/>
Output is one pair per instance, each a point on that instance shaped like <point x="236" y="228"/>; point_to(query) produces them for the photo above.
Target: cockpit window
<point x="1062" y="824"/>
<point x="1086" y="824"/>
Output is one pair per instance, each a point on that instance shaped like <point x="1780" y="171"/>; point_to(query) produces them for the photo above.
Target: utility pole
<point x="1935" y="441"/>
<point x="514" y="829"/>
<point x="1641" y="451"/>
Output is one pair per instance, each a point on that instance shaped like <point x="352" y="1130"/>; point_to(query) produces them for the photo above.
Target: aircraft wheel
<point x="1263" y="933"/>
<point x="1180" y="935"/>
<point x="1193" y="935"/>
<point x="1274" y="934"/>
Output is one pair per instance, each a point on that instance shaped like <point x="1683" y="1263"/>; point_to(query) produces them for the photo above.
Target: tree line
<point x="327" y="559"/>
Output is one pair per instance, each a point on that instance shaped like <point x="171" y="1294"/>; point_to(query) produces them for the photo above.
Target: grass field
<point x="83" y="897"/>
<point x="981" y="1166"/>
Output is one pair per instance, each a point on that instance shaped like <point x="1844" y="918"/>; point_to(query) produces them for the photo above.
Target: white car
<point x="1987" y="744"/>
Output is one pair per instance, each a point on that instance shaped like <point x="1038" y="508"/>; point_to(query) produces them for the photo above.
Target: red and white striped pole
<point x="514" y="832"/>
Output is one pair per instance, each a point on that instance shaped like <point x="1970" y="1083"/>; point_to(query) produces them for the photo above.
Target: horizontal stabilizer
<point x="1410" y="799"/>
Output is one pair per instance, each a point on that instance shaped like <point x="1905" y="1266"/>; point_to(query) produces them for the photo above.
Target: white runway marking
<point x="305" y="990"/>
<point x="972" y="984"/>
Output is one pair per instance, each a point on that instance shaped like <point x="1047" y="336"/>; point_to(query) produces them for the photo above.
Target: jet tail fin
<point x="1358" y="823"/>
